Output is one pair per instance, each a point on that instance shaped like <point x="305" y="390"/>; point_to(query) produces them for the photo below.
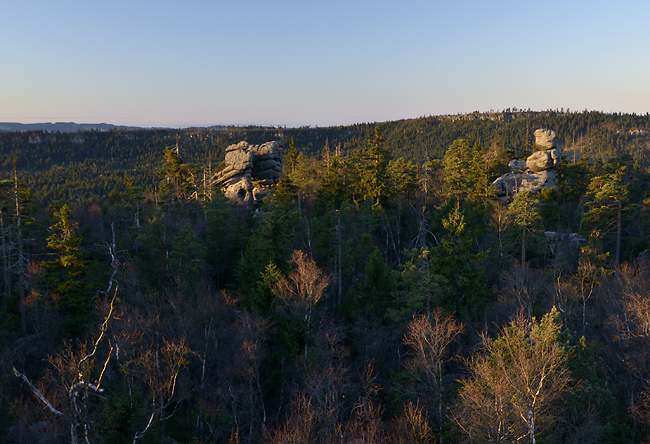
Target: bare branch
<point x="37" y="392"/>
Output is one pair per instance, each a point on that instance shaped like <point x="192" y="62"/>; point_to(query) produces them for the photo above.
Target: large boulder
<point x="533" y="174"/>
<point x="517" y="166"/>
<point x="249" y="171"/>
<point x="543" y="160"/>
<point x="512" y="183"/>
<point x="239" y="160"/>
<point x="545" y="138"/>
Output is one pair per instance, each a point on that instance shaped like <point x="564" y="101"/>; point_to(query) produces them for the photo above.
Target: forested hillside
<point x="58" y="165"/>
<point x="382" y="294"/>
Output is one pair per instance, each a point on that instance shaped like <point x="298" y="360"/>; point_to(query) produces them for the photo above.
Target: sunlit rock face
<point x="543" y="160"/>
<point x="250" y="171"/>
<point x="545" y="139"/>
<point x="536" y="172"/>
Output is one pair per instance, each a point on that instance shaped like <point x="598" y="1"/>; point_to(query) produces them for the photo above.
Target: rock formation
<point x="534" y="173"/>
<point x="545" y="139"/>
<point x="543" y="160"/>
<point x="565" y="249"/>
<point x="250" y="171"/>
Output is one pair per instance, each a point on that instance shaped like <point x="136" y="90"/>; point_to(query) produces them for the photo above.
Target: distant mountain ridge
<point x="63" y="127"/>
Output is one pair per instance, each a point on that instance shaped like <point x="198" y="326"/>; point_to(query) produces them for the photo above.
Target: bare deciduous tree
<point x="525" y="285"/>
<point x="298" y="427"/>
<point x="365" y="425"/>
<point x="303" y="288"/>
<point x="429" y="338"/>
<point x="514" y="382"/>
<point x="159" y="369"/>
<point x="635" y="288"/>
<point x="73" y="370"/>
<point x="411" y="426"/>
<point x="483" y="411"/>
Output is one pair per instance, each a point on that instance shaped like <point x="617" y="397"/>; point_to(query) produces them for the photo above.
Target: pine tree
<point x="456" y="170"/>
<point x="608" y="195"/>
<point x="524" y="214"/>
<point x="456" y="260"/>
<point x="465" y="173"/>
<point x="373" y="172"/>
<point x="65" y="271"/>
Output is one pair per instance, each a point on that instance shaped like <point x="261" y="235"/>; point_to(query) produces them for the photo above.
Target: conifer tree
<point x="524" y="214"/>
<point x="455" y="259"/>
<point x="65" y="271"/>
<point x="373" y="166"/>
<point x="465" y="173"/>
<point x="608" y="195"/>
<point x="456" y="170"/>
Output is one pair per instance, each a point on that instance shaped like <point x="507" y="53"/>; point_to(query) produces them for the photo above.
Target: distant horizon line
<point x="92" y="125"/>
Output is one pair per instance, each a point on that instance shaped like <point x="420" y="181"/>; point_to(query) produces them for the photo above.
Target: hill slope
<point x="90" y="164"/>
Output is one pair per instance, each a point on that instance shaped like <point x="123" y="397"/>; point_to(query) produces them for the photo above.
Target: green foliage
<point x="291" y="158"/>
<point x="377" y="287"/>
<point x="608" y="195"/>
<point x="65" y="242"/>
<point x="457" y="262"/>
<point x="591" y="409"/>
<point x="402" y="227"/>
<point x="497" y="158"/>
<point x="283" y="197"/>
<point x="121" y="414"/>
<point x="523" y="211"/>
<point x="152" y="246"/>
<point x="573" y="178"/>
<point x="269" y="242"/>
<point x="456" y="170"/>
<point x="417" y="289"/>
<point x="549" y="200"/>
<point x="524" y="214"/>
<point x="66" y="272"/>
<point x="465" y="174"/>
<point x="58" y="165"/>
<point x="223" y="237"/>
<point x="337" y="185"/>
<point x="402" y="177"/>
<point x="372" y="172"/>
<point x="187" y="255"/>
<point x="605" y="193"/>
<point x="178" y="179"/>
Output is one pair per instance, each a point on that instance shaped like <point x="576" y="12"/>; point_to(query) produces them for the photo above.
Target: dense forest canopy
<point x="382" y="293"/>
<point x="56" y="165"/>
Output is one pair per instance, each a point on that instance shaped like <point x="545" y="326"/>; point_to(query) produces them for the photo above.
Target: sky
<point x="319" y="63"/>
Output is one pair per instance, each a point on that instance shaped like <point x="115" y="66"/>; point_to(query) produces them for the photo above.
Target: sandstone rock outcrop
<point x="536" y="172"/>
<point x="543" y="160"/>
<point x="250" y="171"/>
<point x="565" y="248"/>
<point x="510" y="184"/>
<point x="545" y="138"/>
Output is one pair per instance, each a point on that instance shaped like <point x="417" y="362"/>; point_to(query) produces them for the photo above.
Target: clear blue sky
<point x="199" y="62"/>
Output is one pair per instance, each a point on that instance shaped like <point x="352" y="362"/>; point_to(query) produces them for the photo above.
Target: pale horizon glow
<point x="200" y="63"/>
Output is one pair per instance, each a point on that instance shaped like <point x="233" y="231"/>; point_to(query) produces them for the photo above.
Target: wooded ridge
<point x="380" y="292"/>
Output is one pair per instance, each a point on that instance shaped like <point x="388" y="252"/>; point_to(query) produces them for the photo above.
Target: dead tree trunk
<point x="21" y="259"/>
